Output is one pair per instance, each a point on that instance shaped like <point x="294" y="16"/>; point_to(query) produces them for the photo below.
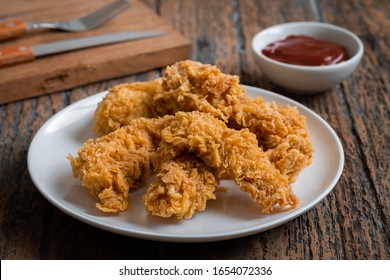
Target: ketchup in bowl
<point x="306" y="51"/>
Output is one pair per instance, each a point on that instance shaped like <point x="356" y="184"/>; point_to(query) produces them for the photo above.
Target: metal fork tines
<point x="86" y="22"/>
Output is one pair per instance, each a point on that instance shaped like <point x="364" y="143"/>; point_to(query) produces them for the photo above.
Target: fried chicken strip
<point x="233" y="154"/>
<point x="112" y="164"/>
<point x="281" y="132"/>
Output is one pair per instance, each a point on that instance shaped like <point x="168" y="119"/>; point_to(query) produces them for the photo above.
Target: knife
<point x="12" y="55"/>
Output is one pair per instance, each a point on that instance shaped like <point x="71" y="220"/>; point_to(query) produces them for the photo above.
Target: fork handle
<point x="12" y="55"/>
<point x="12" y="28"/>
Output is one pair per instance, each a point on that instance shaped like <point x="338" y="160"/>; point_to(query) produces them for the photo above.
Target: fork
<point x="16" y="27"/>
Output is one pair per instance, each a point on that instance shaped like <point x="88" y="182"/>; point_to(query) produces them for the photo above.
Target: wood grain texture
<point x="365" y="105"/>
<point x="352" y="222"/>
<point x="66" y="70"/>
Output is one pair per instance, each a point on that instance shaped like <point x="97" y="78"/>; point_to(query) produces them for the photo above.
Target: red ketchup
<point x="305" y="50"/>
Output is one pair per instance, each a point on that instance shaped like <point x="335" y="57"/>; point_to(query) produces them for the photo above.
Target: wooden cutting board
<point x="67" y="70"/>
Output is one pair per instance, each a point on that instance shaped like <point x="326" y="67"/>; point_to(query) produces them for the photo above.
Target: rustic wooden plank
<point x="18" y="232"/>
<point x="364" y="101"/>
<point x="210" y="28"/>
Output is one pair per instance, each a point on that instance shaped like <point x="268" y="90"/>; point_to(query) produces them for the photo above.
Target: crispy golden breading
<point x="181" y="187"/>
<point x="124" y="103"/>
<point x="281" y="132"/>
<point x="260" y="145"/>
<point x="233" y="154"/>
<point x="110" y="165"/>
<point x="192" y="86"/>
<point x="293" y="151"/>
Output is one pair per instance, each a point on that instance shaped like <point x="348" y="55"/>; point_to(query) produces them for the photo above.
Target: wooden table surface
<point x="352" y="222"/>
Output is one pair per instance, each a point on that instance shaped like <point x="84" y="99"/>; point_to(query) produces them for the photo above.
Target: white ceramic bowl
<point x="308" y="79"/>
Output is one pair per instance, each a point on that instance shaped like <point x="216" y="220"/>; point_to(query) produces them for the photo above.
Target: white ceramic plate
<point x="232" y="215"/>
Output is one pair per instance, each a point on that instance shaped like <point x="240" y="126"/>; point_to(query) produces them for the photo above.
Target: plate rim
<point x="193" y="238"/>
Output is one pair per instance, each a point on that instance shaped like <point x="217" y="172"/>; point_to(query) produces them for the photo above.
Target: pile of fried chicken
<point x="191" y="128"/>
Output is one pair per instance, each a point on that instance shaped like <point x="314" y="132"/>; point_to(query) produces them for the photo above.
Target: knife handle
<point x="12" y="28"/>
<point x="15" y="54"/>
